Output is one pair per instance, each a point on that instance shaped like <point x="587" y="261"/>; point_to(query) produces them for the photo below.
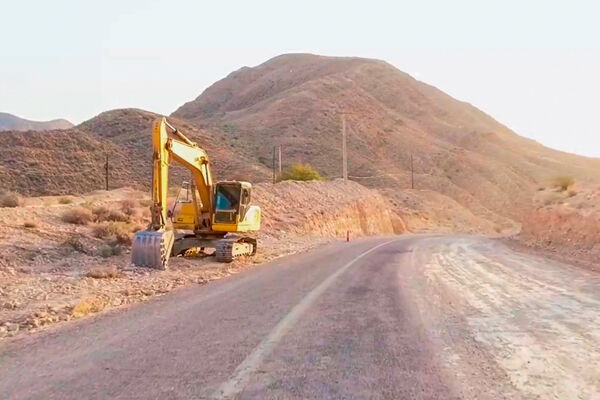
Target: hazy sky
<point x="533" y="65"/>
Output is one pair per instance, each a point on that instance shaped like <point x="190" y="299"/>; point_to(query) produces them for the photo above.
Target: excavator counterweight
<point x="204" y="215"/>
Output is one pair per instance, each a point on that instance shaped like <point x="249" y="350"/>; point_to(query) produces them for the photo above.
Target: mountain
<point x="471" y="172"/>
<point x="72" y="161"/>
<point x="297" y="100"/>
<point x="9" y="122"/>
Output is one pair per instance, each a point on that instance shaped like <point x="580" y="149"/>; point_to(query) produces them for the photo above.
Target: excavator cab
<point x="233" y="212"/>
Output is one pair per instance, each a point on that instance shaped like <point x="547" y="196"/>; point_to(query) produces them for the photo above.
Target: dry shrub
<point x="76" y="244"/>
<point x="78" y="216"/>
<point x="107" y="250"/>
<point x="301" y="172"/>
<point x="101" y="230"/>
<point x="563" y="182"/>
<point x="117" y="216"/>
<point x="65" y="200"/>
<point x="103" y="273"/>
<point x="83" y="308"/>
<point x="145" y="202"/>
<point x="88" y="306"/>
<point x="121" y="231"/>
<point x="125" y="238"/>
<point x="128" y="206"/>
<point x="30" y="224"/>
<point x="100" y="213"/>
<point x="10" y="199"/>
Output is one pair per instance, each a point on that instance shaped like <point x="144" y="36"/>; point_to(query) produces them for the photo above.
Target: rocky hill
<point x="296" y="100"/>
<point x="471" y="172"/>
<point x="72" y="161"/>
<point x="9" y="122"/>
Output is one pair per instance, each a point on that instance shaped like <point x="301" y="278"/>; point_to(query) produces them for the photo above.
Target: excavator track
<point x="229" y="248"/>
<point x="152" y="249"/>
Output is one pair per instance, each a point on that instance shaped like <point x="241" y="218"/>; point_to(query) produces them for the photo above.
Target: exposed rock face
<point x="567" y="222"/>
<point x="325" y="209"/>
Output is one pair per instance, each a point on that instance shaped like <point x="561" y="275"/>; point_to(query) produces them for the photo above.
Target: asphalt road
<point x="414" y="317"/>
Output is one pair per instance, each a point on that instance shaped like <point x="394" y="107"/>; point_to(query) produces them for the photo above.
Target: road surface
<point x="413" y="317"/>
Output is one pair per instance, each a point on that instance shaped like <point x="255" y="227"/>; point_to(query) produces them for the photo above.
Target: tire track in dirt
<point x="538" y="318"/>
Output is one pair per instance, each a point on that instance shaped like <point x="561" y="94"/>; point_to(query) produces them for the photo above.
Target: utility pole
<point x="274" y="173"/>
<point x="279" y="160"/>
<point x="344" y="153"/>
<point x="412" y="173"/>
<point x="106" y="171"/>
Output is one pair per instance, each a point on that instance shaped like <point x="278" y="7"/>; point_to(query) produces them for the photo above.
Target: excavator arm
<point x="153" y="247"/>
<point x="185" y="152"/>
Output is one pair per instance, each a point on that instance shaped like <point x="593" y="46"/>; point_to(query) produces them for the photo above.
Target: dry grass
<point x="103" y="273"/>
<point x="10" y="199"/>
<point x="563" y="182"/>
<point x="65" y="200"/>
<point x="88" y="306"/>
<point x="30" y="224"/>
<point x="78" y="216"/>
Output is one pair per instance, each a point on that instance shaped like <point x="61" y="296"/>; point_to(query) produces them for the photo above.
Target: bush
<point x="117" y="216"/>
<point x="121" y="231"/>
<point x="10" y="199"/>
<point x="30" y="224"/>
<point x="100" y="213"/>
<point x="107" y="250"/>
<point x="65" y="200"/>
<point x="103" y="273"/>
<point x="78" y="216"/>
<point x="563" y="182"/>
<point x="301" y="172"/>
<point x="128" y="206"/>
<point x="74" y="242"/>
<point x="146" y="202"/>
<point x="101" y="230"/>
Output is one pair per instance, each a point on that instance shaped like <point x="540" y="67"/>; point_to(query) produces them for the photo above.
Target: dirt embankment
<point x="325" y="209"/>
<point x="566" y="222"/>
<point x="52" y="270"/>
<point x="431" y="211"/>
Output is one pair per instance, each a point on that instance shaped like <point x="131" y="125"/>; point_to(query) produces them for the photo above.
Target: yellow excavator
<point x="204" y="215"/>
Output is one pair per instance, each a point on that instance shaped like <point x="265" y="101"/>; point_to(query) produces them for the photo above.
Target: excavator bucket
<point x="152" y="249"/>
